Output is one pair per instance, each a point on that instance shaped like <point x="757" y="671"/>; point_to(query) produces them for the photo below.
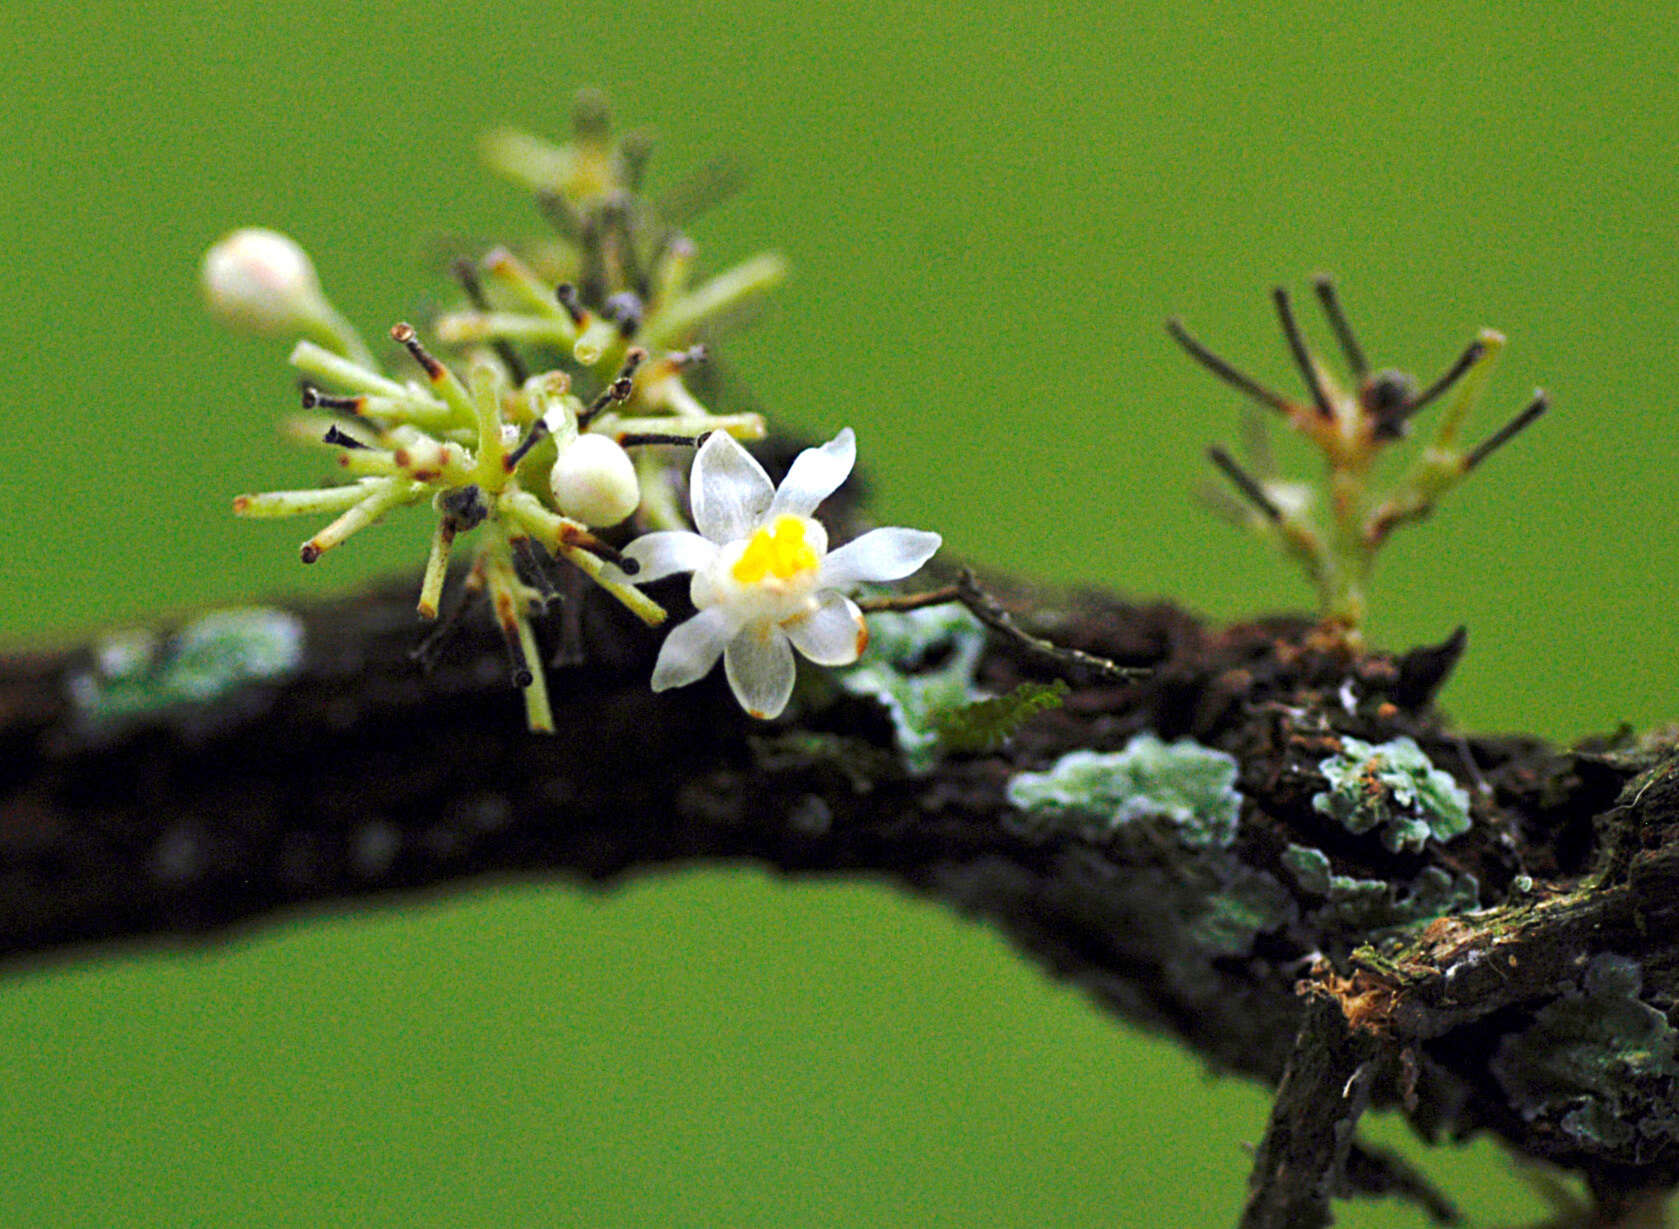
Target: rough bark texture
<point x="1540" y="1017"/>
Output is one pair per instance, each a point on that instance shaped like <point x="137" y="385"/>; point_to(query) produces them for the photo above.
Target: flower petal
<point x="759" y="663"/>
<point x="692" y="649"/>
<point x="816" y="473"/>
<point x="834" y="634"/>
<point x="664" y="553"/>
<point x="728" y="490"/>
<point x="880" y="554"/>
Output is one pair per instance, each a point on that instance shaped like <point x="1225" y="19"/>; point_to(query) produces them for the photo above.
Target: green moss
<point x="1599" y="1064"/>
<point x="1225" y="923"/>
<point x="1189" y="787"/>
<point x="985" y="725"/>
<point x="1394" y="788"/>
<point x="919" y="664"/>
<point x="137" y="672"/>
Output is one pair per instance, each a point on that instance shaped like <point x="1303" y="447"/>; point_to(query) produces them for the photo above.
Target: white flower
<point x="764" y="581"/>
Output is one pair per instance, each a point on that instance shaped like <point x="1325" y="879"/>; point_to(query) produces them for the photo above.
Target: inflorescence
<point x="563" y="443"/>
<point x="1335" y="527"/>
<point x="570" y="421"/>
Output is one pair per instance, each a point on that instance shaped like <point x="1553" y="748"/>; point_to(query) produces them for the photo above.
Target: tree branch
<point x="352" y="776"/>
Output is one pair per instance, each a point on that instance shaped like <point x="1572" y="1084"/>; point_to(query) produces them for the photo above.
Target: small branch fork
<point x="1075" y="663"/>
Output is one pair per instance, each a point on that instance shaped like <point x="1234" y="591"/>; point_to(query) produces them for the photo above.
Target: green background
<point x="989" y="212"/>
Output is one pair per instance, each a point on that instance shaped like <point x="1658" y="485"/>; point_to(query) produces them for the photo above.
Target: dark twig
<point x="620" y="388"/>
<point x="1325" y="1089"/>
<point x="1302" y="356"/>
<point x="1245" y="483"/>
<point x="1507" y="432"/>
<point x="632" y="439"/>
<point x="1238" y="380"/>
<point x="985" y="608"/>
<point x="899" y="602"/>
<point x="1376" y="1172"/>
<point x="990" y="612"/>
<point x="1325" y="287"/>
<point x="1452" y="375"/>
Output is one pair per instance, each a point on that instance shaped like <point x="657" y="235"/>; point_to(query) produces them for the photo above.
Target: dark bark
<point x="355" y="775"/>
<point x="1324" y="1090"/>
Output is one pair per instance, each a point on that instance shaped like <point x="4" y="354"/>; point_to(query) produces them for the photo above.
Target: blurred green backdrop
<point x="989" y="212"/>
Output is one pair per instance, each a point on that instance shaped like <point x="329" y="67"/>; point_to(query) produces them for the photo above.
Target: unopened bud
<point x="594" y="481"/>
<point x="260" y="281"/>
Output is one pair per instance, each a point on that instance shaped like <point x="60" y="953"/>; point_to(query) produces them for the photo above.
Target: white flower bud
<point x="260" y="281"/>
<point x="594" y="481"/>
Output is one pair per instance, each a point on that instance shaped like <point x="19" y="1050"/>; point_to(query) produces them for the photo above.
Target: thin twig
<point x="990" y="612"/>
<point x="1237" y="379"/>
<point x="1302" y="356"/>
<point x="1354" y="353"/>
<point x="900" y="602"/>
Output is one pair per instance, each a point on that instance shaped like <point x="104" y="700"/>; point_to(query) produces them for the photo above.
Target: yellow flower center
<point x="778" y="550"/>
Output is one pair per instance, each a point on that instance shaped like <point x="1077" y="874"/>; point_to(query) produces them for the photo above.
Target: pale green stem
<point x="330" y="328"/>
<point x="679" y="401"/>
<point x="1350" y="554"/>
<point x="1468" y="391"/>
<point x="558" y="533"/>
<point x="466" y="328"/>
<point x="509" y="599"/>
<point x="414" y="408"/>
<point x="437" y="568"/>
<point x="673" y="325"/>
<point x="386" y="495"/>
<point x="368" y="463"/>
<point x="598" y="336"/>
<point x="539" y="712"/>
<point x="486" y="405"/>
<point x="531" y="162"/>
<point x="506" y="270"/>
<point x="339" y="372"/>
<point x="448" y="386"/>
<point x="272" y="505"/>
<point x="670" y="279"/>
<point x="741" y="426"/>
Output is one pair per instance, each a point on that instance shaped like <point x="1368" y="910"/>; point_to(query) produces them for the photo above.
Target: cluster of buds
<point x="571" y="418"/>
<point x="1336" y="527"/>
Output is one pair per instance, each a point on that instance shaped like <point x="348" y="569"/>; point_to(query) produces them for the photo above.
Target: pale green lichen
<point x="1175" y="811"/>
<point x="1226" y="923"/>
<point x="919" y="664"/>
<point x="1370" y="907"/>
<point x="138" y="672"/>
<point x="1190" y="787"/>
<point x="1599" y="1063"/>
<point x="1395" y="788"/>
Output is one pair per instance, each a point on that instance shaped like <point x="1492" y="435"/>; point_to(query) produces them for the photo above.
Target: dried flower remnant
<point x="764" y="581"/>
<point x="1336" y="526"/>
